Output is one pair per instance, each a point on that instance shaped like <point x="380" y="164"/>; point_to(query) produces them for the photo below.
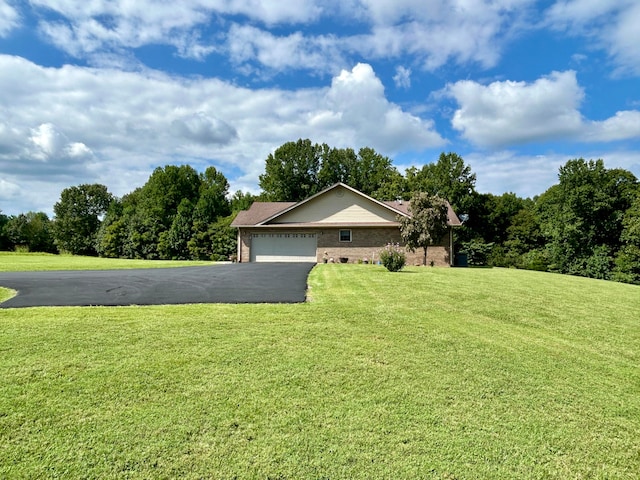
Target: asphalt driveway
<point x="227" y="283"/>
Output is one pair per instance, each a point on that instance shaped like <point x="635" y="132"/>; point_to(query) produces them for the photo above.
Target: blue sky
<point x="105" y="91"/>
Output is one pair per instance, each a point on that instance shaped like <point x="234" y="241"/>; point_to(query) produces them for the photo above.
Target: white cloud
<point x="86" y="28"/>
<point x="402" y="78"/>
<point x="9" y="18"/>
<point x="70" y="125"/>
<point x="509" y="112"/>
<point x="531" y="175"/>
<point x="359" y="110"/>
<point x="295" y="51"/>
<point x="48" y="140"/>
<point x="622" y="126"/>
<point x="612" y="25"/>
<point x="432" y="31"/>
<point x="508" y="171"/>
<point x="104" y="25"/>
<point x="437" y="31"/>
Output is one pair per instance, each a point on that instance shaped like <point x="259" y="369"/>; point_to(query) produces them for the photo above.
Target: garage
<point x="283" y="247"/>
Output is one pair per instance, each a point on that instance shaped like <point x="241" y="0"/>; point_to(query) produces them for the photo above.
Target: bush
<point x="393" y="258"/>
<point x="477" y="252"/>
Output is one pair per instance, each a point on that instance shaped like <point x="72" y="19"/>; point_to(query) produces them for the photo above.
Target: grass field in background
<point x="427" y="373"/>
<point x="16" y="262"/>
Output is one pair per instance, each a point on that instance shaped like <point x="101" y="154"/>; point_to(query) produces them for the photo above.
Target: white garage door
<point x="283" y="247"/>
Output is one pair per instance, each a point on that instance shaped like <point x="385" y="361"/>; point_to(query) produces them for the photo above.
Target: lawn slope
<point x="426" y="373"/>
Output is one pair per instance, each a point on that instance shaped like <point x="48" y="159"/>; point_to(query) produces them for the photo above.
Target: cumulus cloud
<point x="359" y="110"/>
<point x="51" y="145"/>
<point x="510" y="113"/>
<point x="114" y="126"/>
<point x="622" y="126"/>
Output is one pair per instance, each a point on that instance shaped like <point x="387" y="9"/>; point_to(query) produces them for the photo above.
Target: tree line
<point x="587" y="224"/>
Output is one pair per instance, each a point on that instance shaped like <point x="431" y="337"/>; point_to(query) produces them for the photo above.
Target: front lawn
<point x="425" y="373"/>
<point x="16" y="262"/>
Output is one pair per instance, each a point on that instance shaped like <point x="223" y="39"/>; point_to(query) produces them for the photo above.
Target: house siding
<point x="366" y="244"/>
<point x="339" y="206"/>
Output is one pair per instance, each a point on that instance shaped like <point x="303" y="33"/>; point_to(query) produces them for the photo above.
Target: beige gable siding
<point x="338" y="206"/>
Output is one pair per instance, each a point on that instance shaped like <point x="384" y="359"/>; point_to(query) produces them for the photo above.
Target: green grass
<point x="426" y="373"/>
<point x="14" y="262"/>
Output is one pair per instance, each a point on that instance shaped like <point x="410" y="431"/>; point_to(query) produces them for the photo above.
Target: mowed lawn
<point x="426" y="373"/>
<point x="18" y="262"/>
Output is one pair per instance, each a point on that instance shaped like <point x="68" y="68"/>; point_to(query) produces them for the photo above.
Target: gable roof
<point x="262" y="213"/>
<point x="258" y="212"/>
<point x="452" y="217"/>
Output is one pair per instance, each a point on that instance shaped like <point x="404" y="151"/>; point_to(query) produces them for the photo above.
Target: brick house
<point x="336" y="224"/>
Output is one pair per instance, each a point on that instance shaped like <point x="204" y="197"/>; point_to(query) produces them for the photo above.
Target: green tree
<point x="374" y="175"/>
<point x="31" y="231"/>
<point x="449" y="178"/>
<point x="77" y="218"/>
<point x="291" y="172"/>
<point x="427" y="224"/>
<point x="241" y="201"/>
<point x="627" y="261"/>
<point x="212" y="198"/>
<point x="218" y="242"/>
<point x="5" y="243"/>
<point x="172" y="244"/>
<point x="298" y="170"/>
<point x="152" y="209"/>
<point x="582" y="215"/>
<point x="212" y="205"/>
<point x="112" y="233"/>
<point x="338" y="166"/>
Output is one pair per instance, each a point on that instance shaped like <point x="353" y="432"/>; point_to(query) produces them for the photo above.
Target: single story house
<point x="336" y="224"/>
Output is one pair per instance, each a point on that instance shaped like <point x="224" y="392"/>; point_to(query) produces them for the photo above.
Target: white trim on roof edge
<point x="328" y="189"/>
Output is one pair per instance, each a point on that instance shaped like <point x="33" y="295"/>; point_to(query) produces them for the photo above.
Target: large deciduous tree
<point x="449" y="178"/>
<point x="31" y="230"/>
<point x="427" y="223"/>
<point x="297" y="170"/>
<point x="77" y="218"/>
<point x="172" y="216"/>
<point x="627" y="261"/>
<point x="581" y="216"/>
<point x="291" y="172"/>
<point x="375" y="175"/>
<point x="5" y="243"/>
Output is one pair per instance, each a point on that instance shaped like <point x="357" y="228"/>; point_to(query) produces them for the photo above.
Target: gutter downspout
<point x="451" y="262"/>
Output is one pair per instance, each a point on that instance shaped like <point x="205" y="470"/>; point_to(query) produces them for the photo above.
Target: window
<point x="345" y="235"/>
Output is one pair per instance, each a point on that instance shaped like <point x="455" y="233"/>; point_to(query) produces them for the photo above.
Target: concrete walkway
<point x="228" y="283"/>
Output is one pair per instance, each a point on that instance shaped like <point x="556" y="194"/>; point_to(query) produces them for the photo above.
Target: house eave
<point x="323" y="225"/>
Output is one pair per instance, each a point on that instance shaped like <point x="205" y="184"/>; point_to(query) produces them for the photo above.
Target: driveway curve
<point x="227" y="283"/>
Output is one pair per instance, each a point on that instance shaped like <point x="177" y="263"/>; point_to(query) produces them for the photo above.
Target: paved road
<point x="228" y="283"/>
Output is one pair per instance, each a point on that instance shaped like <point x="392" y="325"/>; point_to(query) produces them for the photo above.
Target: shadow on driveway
<point x="227" y="283"/>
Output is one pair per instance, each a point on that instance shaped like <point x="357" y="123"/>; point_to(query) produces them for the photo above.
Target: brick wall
<point x="366" y="243"/>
